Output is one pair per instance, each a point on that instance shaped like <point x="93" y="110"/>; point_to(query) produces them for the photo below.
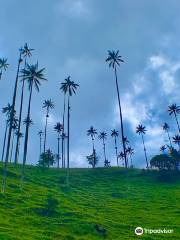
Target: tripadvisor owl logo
<point x="139" y="231"/>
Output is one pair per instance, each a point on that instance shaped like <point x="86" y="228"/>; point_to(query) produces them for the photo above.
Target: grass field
<point x="114" y="199"/>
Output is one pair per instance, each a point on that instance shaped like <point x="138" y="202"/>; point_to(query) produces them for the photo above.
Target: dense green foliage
<point x="97" y="204"/>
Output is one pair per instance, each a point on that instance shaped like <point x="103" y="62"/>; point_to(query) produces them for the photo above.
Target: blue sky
<point x="71" y="37"/>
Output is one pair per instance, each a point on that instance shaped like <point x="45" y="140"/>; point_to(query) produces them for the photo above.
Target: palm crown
<point x="58" y="127"/>
<point x="163" y="148"/>
<point x="165" y="127"/>
<point x="26" y="51"/>
<point x="40" y="133"/>
<point x="103" y="135"/>
<point x="130" y="150"/>
<point x="28" y="121"/>
<point x="48" y="104"/>
<point x="3" y="64"/>
<point x="114" y="133"/>
<point x="69" y="86"/>
<point x="33" y="75"/>
<point x="140" y="129"/>
<point x="91" y="132"/>
<point x="114" y="58"/>
<point x="173" y="109"/>
<point x="176" y="139"/>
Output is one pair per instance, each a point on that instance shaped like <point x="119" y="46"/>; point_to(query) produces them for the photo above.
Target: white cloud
<point x="157" y="61"/>
<point x="168" y="81"/>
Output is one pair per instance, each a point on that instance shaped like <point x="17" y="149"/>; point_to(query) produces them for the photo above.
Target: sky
<point x="71" y="37"/>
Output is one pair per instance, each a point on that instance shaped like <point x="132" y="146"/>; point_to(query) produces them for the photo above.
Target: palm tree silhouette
<point x="141" y="130"/>
<point x="58" y="128"/>
<point x="176" y="140"/>
<point x="121" y="157"/>
<point x="166" y="129"/>
<point x="33" y="76"/>
<point x="11" y="119"/>
<point x="130" y="152"/>
<point x="92" y="132"/>
<point x="126" y="142"/>
<point x="103" y="136"/>
<point x="14" y="128"/>
<point x="7" y="111"/>
<point x="63" y="137"/>
<point x="115" y="134"/>
<point x="3" y="65"/>
<point x="40" y="133"/>
<point x="68" y="87"/>
<point x="162" y="148"/>
<point x="20" y="135"/>
<point x="174" y="109"/>
<point x="26" y="52"/>
<point x="64" y="90"/>
<point x="48" y="104"/>
<point x="114" y="60"/>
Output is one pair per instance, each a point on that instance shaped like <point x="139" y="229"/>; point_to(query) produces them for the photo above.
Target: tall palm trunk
<point x="147" y="166"/>
<point x="115" y="143"/>
<point x="177" y="121"/>
<point x="93" y="152"/>
<point x="63" y="139"/>
<point x="27" y="129"/>
<point x="169" y="138"/>
<point x="58" y="148"/>
<point x="10" y="126"/>
<point x="131" y="160"/>
<point x="68" y="133"/>
<point x="4" y="142"/>
<point x="104" y="149"/>
<point x="12" y="146"/>
<point x="64" y="149"/>
<point x="120" y="115"/>
<point x="19" y="121"/>
<point x="40" y="145"/>
<point x="45" y="130"/>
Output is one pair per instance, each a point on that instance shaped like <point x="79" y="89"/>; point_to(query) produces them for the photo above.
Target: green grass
<point x="115" y="199"/>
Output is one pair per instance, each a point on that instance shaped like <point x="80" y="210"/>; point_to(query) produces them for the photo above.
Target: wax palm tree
<point x="48" y="104"/>
<point x="103" y="136"/>
<point x="58" y="128"/>
<point x="64" y="90"/>
<point x="14" y="128"/>
<point x="141" y="130"/>
<point x="11" y="120"/>
<point x="64" y="137"/>
<point x="162" y="148"/>
<point x="166" y="129"/>
<point x="20" y="135"/>
<point x="174" y="109"/>
<point x="126" y="142"/>
<point x="7" y="111"/>
<point x="69" y="87"/>
<point x="92" y="132"/>
<point x="33" y="76"/>
<point x="176" y="140"/>
<point x="3" y="65"/>
<point x="40" y="133"/>
<point x="121" y="157"/>
<point x="114" y="60"/>
<point x="130" y="152"/>
<point x="115" y="134"/>
<point x="26" y="52"/>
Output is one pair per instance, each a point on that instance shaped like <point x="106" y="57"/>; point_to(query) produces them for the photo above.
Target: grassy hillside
<point x="114" y="199"/>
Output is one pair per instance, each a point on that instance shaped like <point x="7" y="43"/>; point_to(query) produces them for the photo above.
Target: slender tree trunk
<point x="10" y="127"/>
<point x="4" y="143"/>
<point x="27" y="130"/>
<point x="68" y="134"/>
<point x="104" y="149"/>
<point x="20" y="118"/>
<point x="169" y="138"/>
<point x="63" y="153"/>
<point x="147" y="166"/>
<point x="93" y="152"/>
<point x="12" y="146"/>
<point x="177" y="122"/>
<point x="120" y="115"/>
<point x="115" y="143"/>
<point x="131" y="160"/>
<point x="45" y="130"/>
<point x="58" y="149"/>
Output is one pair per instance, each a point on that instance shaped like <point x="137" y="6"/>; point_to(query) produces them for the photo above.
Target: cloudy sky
<point x="71" y="37"/>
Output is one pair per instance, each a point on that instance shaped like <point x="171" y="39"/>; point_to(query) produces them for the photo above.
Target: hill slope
<point x="97" y="204"/>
